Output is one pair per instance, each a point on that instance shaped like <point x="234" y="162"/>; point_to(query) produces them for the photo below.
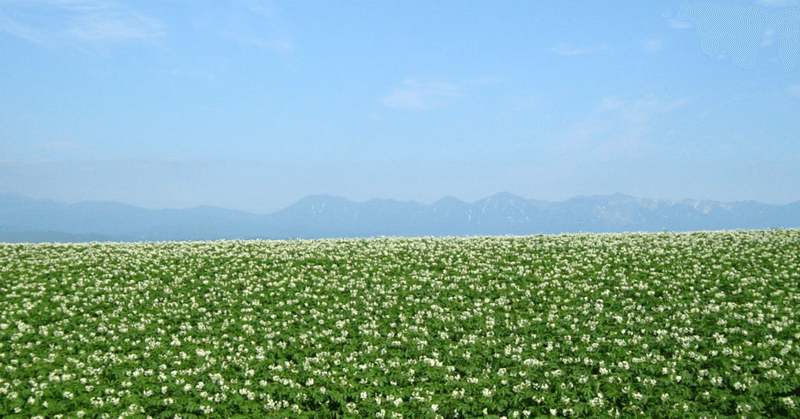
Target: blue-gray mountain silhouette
<point x="23" y="219"/>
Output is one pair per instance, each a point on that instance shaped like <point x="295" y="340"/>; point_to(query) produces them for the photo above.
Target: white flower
<point x="597" y="401"/>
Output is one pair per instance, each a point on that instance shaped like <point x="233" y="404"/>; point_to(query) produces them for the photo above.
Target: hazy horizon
<point x="253" y="105"/>
<point x="443" y="198"/>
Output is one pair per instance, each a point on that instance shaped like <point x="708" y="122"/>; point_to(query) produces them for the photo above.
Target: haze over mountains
<point x="24" y="219"/>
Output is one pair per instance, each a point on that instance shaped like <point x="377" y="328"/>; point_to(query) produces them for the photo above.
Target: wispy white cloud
<point x="679" y="24"/>
<point x="609" y="103"/>
<point x="571" y="50"/>
<point x="78" y="20"/>
<point x="21" y="30"/>
<point x="483" y="81"/>
<point x="568" y="51"/>
<point x="250" y="39"/>
<point x="677" y="103"/>
<point x="780" y="3"/>
<point x="651" y="45"/>
<point x="421" y="95"/>
<point x="617" y="127"/>
<point x="276" y="40"/>
<point x="580" y="133"/>
<point x="115" y="28"/>
<point x="768" y="37"/>
<point x="260" y="7"/>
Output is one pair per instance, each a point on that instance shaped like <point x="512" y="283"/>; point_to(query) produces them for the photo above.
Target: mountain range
<point x="23" y="219"/>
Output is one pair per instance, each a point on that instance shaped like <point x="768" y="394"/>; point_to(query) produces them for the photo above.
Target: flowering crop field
<point x="701" y="324"/>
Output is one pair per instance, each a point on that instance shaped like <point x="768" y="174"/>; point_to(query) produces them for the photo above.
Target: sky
<point x="255" y="104"/>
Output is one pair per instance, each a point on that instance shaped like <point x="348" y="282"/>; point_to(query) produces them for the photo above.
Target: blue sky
<point x="253" y="104"/>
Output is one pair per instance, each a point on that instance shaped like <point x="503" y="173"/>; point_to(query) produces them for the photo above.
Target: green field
<point x="681" y="325"/>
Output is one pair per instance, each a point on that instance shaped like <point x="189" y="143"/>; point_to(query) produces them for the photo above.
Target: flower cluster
<point x="653" y="325"/>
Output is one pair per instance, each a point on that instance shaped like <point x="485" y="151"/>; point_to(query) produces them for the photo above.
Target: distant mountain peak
<point x="324" y="215"/>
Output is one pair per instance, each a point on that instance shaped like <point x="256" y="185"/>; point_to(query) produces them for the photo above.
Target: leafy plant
<point x="698" y="324"/>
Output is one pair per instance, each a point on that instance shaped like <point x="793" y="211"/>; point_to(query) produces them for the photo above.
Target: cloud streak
<point x="567" y="51"/>
<point x="251" y="32"/>
<point x="780" y="3"/>
<point x="422" y="96"/>
<point x="616" y="127"/>
<point x="768" y="38"/>
<point x="20" y="30"/>
<point x="651" y="45"/>
<point x="78" y="20"/>
<point x="679" y="24"/>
